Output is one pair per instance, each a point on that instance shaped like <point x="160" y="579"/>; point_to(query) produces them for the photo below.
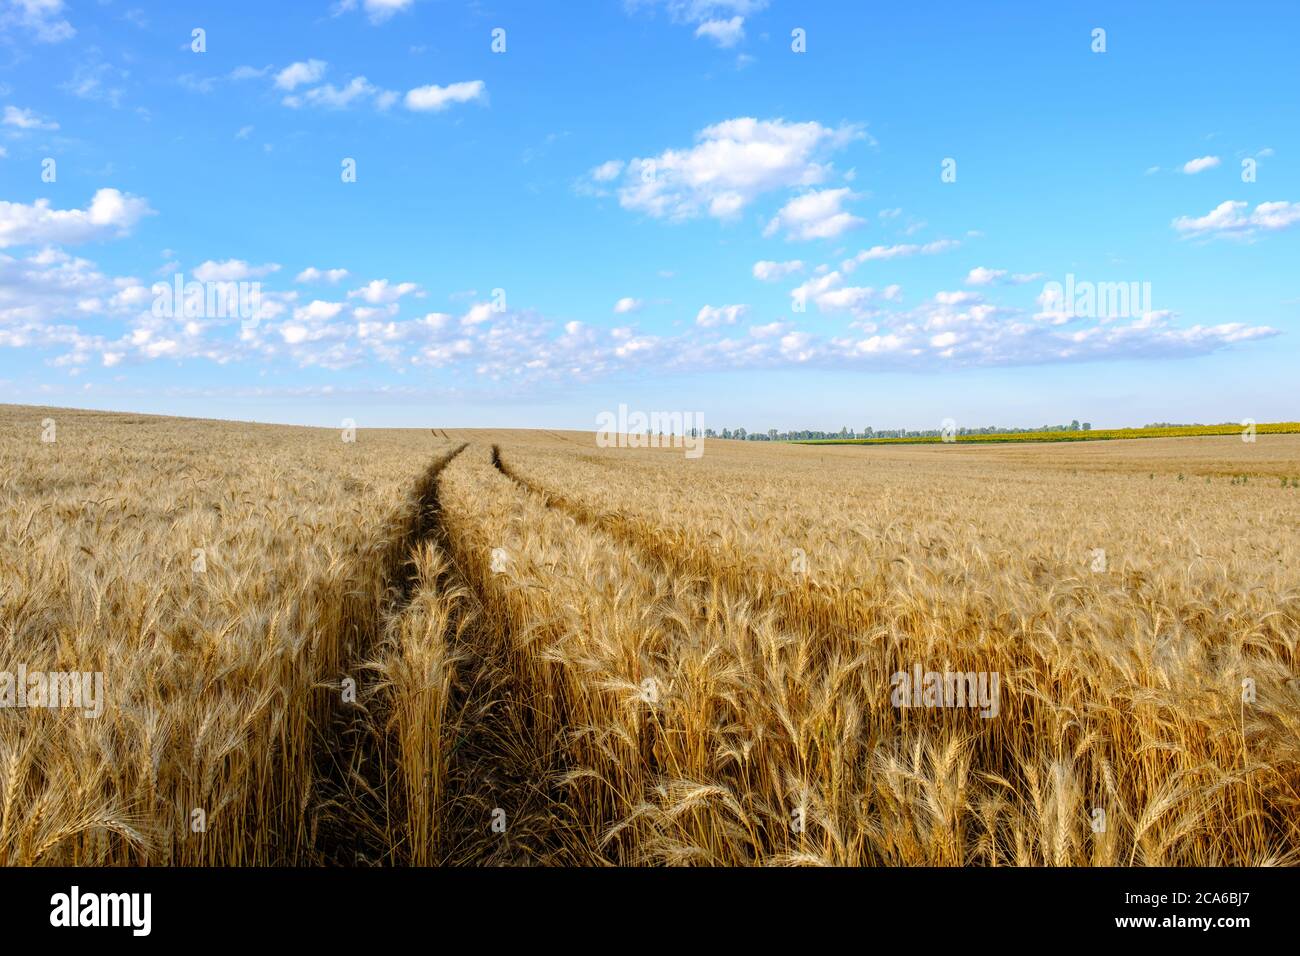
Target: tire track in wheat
<point x="487" y="756"/>
<point x="501" y="762"/>
<point x="351" y="817"/>
<point x="675" y="554"/>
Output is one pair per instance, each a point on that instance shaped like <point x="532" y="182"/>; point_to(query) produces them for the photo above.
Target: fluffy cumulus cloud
<point x="381" y="291"/>
<point x="981" y="276"/>
<point x="768" y="271"/>
<point x="830" y="292"/>
<point x="962" y="329"/>
<point x="899" y="251"/>
<point x="75" y="315"/>
<point x="299" y="74"/>
<point x="436" y="98"/>
<point x="725" y="33"/>
<point x="50" y="284"/>
<point x="768" y="329"/>
<point x="25" y="119"/>
<point x="627" y="304"/>
<point x="313" y="275"/>
<point x="607" y="171"/>
<point x="331" y="97"/>
<point x="721" y="21"/>
<point x="232" y="270"/>
<point x="1235" y="218"/>
<point x="42" y="20"/>
<point x="1200" y="164"/>
<point x="732" y="164"/>
<point x="376" y="11"/>
<point x="712" y="316"/>
<point x="110" y="213"/>
<point x="303" y="87"/>
<point x="814" y="215"/>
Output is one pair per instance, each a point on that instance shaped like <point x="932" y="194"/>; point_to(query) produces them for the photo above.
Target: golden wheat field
<point x="428" y="647"/>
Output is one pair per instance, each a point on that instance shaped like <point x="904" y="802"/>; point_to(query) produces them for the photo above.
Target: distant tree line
<point x="809" y="434"/>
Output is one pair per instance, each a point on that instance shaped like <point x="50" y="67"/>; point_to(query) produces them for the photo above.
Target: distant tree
<point x="1087" y="426"/>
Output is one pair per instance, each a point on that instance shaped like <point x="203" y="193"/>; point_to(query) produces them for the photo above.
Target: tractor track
<point x="496" y="757"/>
<point x="350" y="820"/>
<point x="665" y="555"/>
<point x="501" y="761"/>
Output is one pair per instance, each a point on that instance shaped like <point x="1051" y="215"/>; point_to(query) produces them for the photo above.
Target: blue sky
<point x="661" y="204"/>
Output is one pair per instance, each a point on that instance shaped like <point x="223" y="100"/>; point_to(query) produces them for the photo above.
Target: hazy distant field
<point x="483" y="647"/>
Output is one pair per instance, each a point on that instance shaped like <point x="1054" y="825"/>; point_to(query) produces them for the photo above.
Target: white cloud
<point x="300" y="74"/>
<point x="51" y="283"/>
<point x="814" y="215"/>
<point x="607" y="171"/>
<point x="725" y="33"/>
<point x="499" y="348"/>
<point x="1231" y="218"/>
<point x="312" y="274"/>
<point x="627" y="304"/>
<point x="329" y="96"/>
<point x="232" y="270"/>
<point x="318" y="310"/>
<point x="1200" y="164"/>
<point x="903" y="250"/>
<point x="436" y="98"/>
<point x="308" y="73"/>
<point x="957" y="298"/>
<point x="981" y="276"/>
<point x="249" y="72"/>
<point x="377" y="11"/>
<point x="699" y="11"/>
<point x="379" y="291"/>
<point x="26" y="119"/>
<point x="478" y="313"/>
<point x="768" y="271"/>
<point x="828" y="291"/>
<point x="713" y="316"/>
<point x="731" y="165"/>
<point x="767" y="331"/>
<point x="110" y="213"/>
<point x="43" y="18"/>
<point x="95" y="81"/>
